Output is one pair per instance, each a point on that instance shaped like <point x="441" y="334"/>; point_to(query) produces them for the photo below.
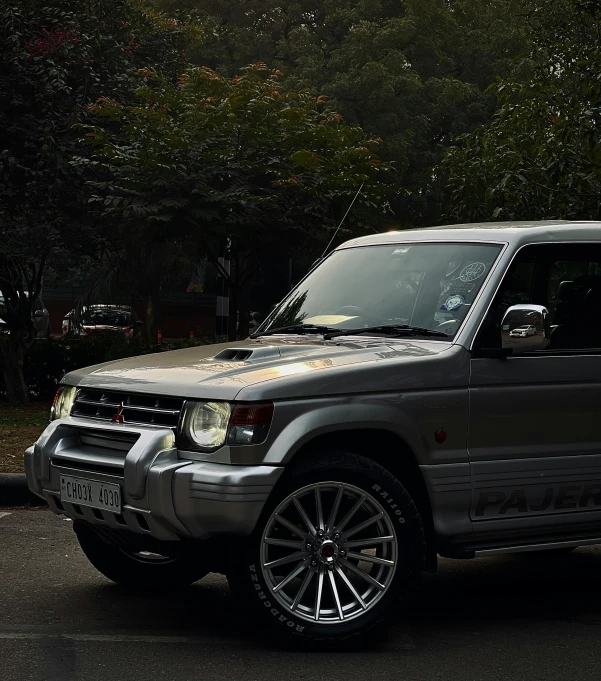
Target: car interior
<point x="566" y="280"/>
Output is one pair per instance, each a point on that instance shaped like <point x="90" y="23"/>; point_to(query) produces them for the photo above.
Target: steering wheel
<point x="356" y="311"/>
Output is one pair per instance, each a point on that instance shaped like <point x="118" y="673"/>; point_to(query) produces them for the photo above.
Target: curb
<point x="15" y="492"/>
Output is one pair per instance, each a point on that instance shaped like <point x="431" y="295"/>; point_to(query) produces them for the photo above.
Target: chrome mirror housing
<point x="525" y="328"/>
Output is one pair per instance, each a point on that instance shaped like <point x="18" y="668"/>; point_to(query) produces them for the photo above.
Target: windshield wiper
<point x="296" y="328"/>
<point x="330" y="332"/>
<point x="398" y="330"/>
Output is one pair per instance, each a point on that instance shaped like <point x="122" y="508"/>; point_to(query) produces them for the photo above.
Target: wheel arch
<point x="392" y="452"/>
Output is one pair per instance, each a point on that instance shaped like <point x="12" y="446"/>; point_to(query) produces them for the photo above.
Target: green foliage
<point x="414" y="72"/>
<point x="540" y="157"/>
<point x="55" y="57"/>
<point x="212" y="159"/>
<point x="244" y="158"/>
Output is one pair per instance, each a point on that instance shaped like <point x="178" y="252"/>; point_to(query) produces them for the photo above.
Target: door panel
<point x="535" y="441"/>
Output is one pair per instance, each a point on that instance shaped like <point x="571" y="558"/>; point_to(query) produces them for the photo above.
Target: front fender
<point x="324" y="418"/>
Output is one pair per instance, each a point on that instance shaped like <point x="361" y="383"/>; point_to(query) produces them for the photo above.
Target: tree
<point x="540" y="157"/>
<point x="243" y="160"/>
<point x="55" y="57"/>
<point x="414" y="72"/>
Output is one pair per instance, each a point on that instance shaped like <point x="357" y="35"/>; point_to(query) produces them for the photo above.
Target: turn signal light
<point x="249" y="423"/>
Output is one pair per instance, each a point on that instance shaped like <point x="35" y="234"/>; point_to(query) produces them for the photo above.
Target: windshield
<point x="424" y="285"/>
<point x="106" y="317"/>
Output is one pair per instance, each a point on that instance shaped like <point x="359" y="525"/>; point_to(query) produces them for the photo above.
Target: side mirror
<point x="525" y="328"/>
<point x="38" y="314"/>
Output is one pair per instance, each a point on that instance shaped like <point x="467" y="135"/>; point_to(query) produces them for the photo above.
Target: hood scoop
<point x="258" y="354"/>
<point x="247" y="354"/>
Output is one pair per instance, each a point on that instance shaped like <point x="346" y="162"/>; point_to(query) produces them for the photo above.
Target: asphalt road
<point x="496" y="618"/>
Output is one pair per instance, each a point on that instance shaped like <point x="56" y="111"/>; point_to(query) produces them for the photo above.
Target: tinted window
<point x="567" y="280"/>
<point x="428" y="285"/>
<point x="106" y="317"/>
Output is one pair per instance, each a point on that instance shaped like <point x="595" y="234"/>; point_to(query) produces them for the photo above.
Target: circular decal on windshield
<point x="473" y="271"/>
<point x="453" y="302"/>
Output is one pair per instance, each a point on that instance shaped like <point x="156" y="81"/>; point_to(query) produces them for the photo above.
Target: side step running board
<point x="536" y="547"/>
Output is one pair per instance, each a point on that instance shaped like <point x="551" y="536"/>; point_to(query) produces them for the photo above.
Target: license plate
<point x="102" y="495"/>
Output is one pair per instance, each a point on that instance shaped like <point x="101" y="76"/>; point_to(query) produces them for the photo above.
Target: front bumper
<point x="163" y="496"/>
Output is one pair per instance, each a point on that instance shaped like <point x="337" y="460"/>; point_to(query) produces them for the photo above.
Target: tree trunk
<point x="12" y="356"/>
<point x="243" y="311"/>
<point x="152" y="313"/>
<point x="232" y="322"/>
<point x="149" y="316"/>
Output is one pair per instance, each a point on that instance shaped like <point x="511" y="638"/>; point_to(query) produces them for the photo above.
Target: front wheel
<point x="139" y="569"/>
<point x="334" y="552"/>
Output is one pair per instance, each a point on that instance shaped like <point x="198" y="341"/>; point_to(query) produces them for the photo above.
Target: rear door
<point x="534" y="438"/>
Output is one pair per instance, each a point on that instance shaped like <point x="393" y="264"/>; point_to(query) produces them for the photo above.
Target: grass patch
<point x="20" y="427"/>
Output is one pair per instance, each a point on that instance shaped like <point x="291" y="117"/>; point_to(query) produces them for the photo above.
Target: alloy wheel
<point x="329" y="552"/>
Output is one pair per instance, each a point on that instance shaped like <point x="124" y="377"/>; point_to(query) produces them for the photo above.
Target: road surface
<point x="497" y="618"/>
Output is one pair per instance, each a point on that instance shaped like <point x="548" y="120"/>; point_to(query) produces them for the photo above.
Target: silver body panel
<point x="520" y="466"/>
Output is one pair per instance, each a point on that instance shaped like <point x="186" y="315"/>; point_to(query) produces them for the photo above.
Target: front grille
<point x="100" y="451"/>
<point x="138" y="409"/>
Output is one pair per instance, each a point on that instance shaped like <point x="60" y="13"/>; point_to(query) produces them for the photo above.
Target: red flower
<point x="51" y="43"/>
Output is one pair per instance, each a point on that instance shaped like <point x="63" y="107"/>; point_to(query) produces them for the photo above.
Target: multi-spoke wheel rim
<point x="329" y="552"/>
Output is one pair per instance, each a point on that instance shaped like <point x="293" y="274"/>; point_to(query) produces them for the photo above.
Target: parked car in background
<point x="40" y="317"/>
<point x="523" y="331"/>
<point x="100" y="318"/>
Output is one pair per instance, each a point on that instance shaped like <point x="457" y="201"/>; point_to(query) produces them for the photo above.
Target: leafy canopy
<point x="56" y="56"/>
<point x="540" y="157"/>
<point x="242" y="158"/>
<point x="414" y="72"/>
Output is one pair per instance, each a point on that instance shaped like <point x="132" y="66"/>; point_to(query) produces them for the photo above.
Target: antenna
<point x="348" y="210"/>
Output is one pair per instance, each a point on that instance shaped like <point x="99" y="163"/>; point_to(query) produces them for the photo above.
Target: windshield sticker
<point x="453" y="302"/>
<point x="473" y="271"/>
<point x="401" y="251"/>
<point x="453" y="267"/>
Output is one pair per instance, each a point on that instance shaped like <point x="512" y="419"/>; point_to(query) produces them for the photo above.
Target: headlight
<point x="210" y="425"/>
<point x="63" y="402"/>
<point x="205" y="424"/>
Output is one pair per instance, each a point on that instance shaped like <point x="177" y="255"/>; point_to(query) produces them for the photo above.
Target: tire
<point x="138" y="570"/>
<point x="262" y="571"/>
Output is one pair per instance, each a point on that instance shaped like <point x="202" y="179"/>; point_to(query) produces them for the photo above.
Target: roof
<point x="499" y="232"/>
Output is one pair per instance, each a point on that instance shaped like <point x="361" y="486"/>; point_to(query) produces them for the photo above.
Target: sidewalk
<point x="14" y="491"/>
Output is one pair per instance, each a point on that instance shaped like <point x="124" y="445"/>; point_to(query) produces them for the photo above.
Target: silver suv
<point x="382" y="415"/>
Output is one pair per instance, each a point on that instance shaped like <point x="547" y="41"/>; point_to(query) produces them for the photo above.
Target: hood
<point x="264" y="368"/>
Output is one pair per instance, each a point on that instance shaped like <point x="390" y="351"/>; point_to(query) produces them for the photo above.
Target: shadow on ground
<point x="481" y="595"/>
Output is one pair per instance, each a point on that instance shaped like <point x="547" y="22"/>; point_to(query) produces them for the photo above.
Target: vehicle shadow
<point x="542" y="586"/>
<point x="487" y="594"/>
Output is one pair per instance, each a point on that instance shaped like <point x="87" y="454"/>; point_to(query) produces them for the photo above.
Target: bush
<point x="49" y="360"/>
